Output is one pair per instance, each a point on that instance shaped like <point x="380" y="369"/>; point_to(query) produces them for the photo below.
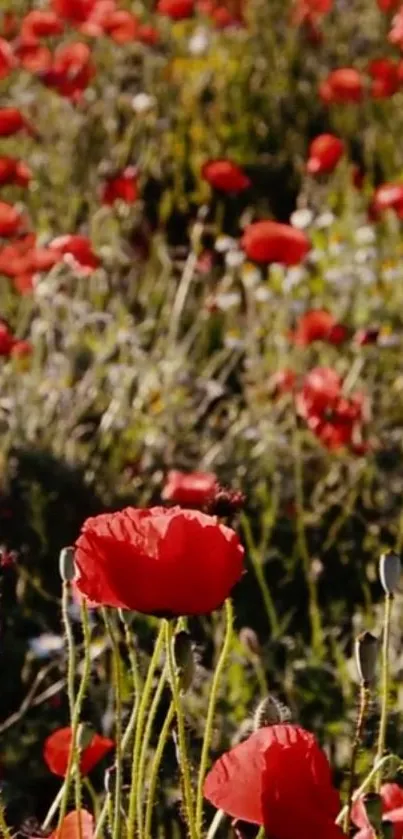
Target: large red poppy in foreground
<point x="158" y="561"/>
<point x="57" y="749"/>
<point x="280" y="778"/>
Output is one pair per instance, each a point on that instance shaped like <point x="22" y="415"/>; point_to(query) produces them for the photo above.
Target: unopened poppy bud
<point x="366" y="654"/>
<point x="85" y="735"/>
<point x="66" y="565"/>
<point x="373" y="806"/>
<point x="110" y="780"/>
<point x="389" y="572"/>
<point x="184" y="659"/>
<point x="250" y="641"/>
<point x="270" y="711"/>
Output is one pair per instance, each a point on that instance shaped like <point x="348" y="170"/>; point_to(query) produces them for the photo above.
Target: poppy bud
<point x="66" y="565"/>
<point x="366" y="653"/>
<point x="249" y="640"/>
<point x="184" y="659"/>
<point x="373" y="806"/>
<point x="270" y="711"/>
<point x="85" y="735"/>
<point x="389" y="572"/>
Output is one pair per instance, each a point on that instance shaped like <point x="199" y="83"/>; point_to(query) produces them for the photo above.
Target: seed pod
<point x="85" y="735"/>
<point x="373" y="806"/>
<point x="184" y="659"/>
<point x="270" y="711"/>
<point x="66" y="565"/>
<point x="389" y="572"/>
<point x="250" y="641"/>
<point x="366" y="654"/>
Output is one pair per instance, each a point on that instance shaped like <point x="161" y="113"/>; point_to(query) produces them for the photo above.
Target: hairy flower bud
<point x="270" y="711"/>
<point x="366" y="654"/>
<point x="389" y="572"/>
<point x="66" y="565"/>
<point x="249" y="640"/>
<point x="184" y="659"/>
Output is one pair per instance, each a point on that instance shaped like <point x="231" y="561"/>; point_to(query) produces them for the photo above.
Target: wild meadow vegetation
<point x="201" y="419"/>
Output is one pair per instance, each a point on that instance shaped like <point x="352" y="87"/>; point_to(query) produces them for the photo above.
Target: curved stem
<point x="146" y="740"/>
<point x="118" y="722"/>
<point x="71" y="654"/>
<point x="148" y="686"/>
<point x="102" y="817"/>
<point x="180" y="721"/>
<point x="364" y="702"/>
<point x="136" y="684"/>
<point x="73" y="767"/>
<point x="210" y="713"/>
<point x="385" y="687"/>
<point x="364" y="786"/>
<point x="155" y="765"/>
<point x="93" y="796"/>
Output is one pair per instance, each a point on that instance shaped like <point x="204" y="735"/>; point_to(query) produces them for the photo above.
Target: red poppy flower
<point x="385" y="78"/>
<point x="342" y="85"/>
<point x="269" y="241"/>
<point x="33" y="56"/>
<point x="121" y="187"/>
<point x="21" y="349"/>
<point x="392" y="813"/>
<point x="176" y="9"/>
<point x="334" y="418"/>
<point x="121" y="26"/>
<point x="283" y="381"/>
<point x="76" y="825"/>
<point x="11" y="220"/>
<point x="57" y="749"/>
<point x="72" y="70"/>
<point x="222" y="18"/>
<point x="7" y="59"/>
<point x="280" y="778"/>
<point x="79" y="249"/>
<point x="7" y="340"/>
<point x="13" y="171"/>
<point x="309" y="10"/>
<point x="318" y="325"/>
<point x="194" y="489"/>
<point x="158" y="561"/>
<point x="148" y="35"/>
<point x="388" y="5"/>
<point x="12" y="121"/>
<point x="225" y="176"/>
<point x="387" y="197"/>
<point x="75" y="11"/>
<point x="325" y="152"/>
<point x="396" y="31"/>
<point x="40" y="23"/>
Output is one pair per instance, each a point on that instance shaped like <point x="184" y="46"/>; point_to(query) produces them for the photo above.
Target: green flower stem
<point x="53" y="808"/>
<point x="117" y="677"/>
<point x="180" y="721"/>
<point x="385" y="687"/>
<point x="208" y="731"/>
<point x="155" y="769"/>
<point x="73" y="762"/>
<point x="364" y="703"/>
<point x="71" y="665"/>
<point x="144" y="702"/>
<point x="102" y="817"/>
<point x="256" y="560"/>
<point x="215" y="824"/>
<point x="93" y="796"/>
<point x="261" y="834"/>
<point x="314" y="611"/>
<point x="145" y="744"/>
<point x="137" y="686"/>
